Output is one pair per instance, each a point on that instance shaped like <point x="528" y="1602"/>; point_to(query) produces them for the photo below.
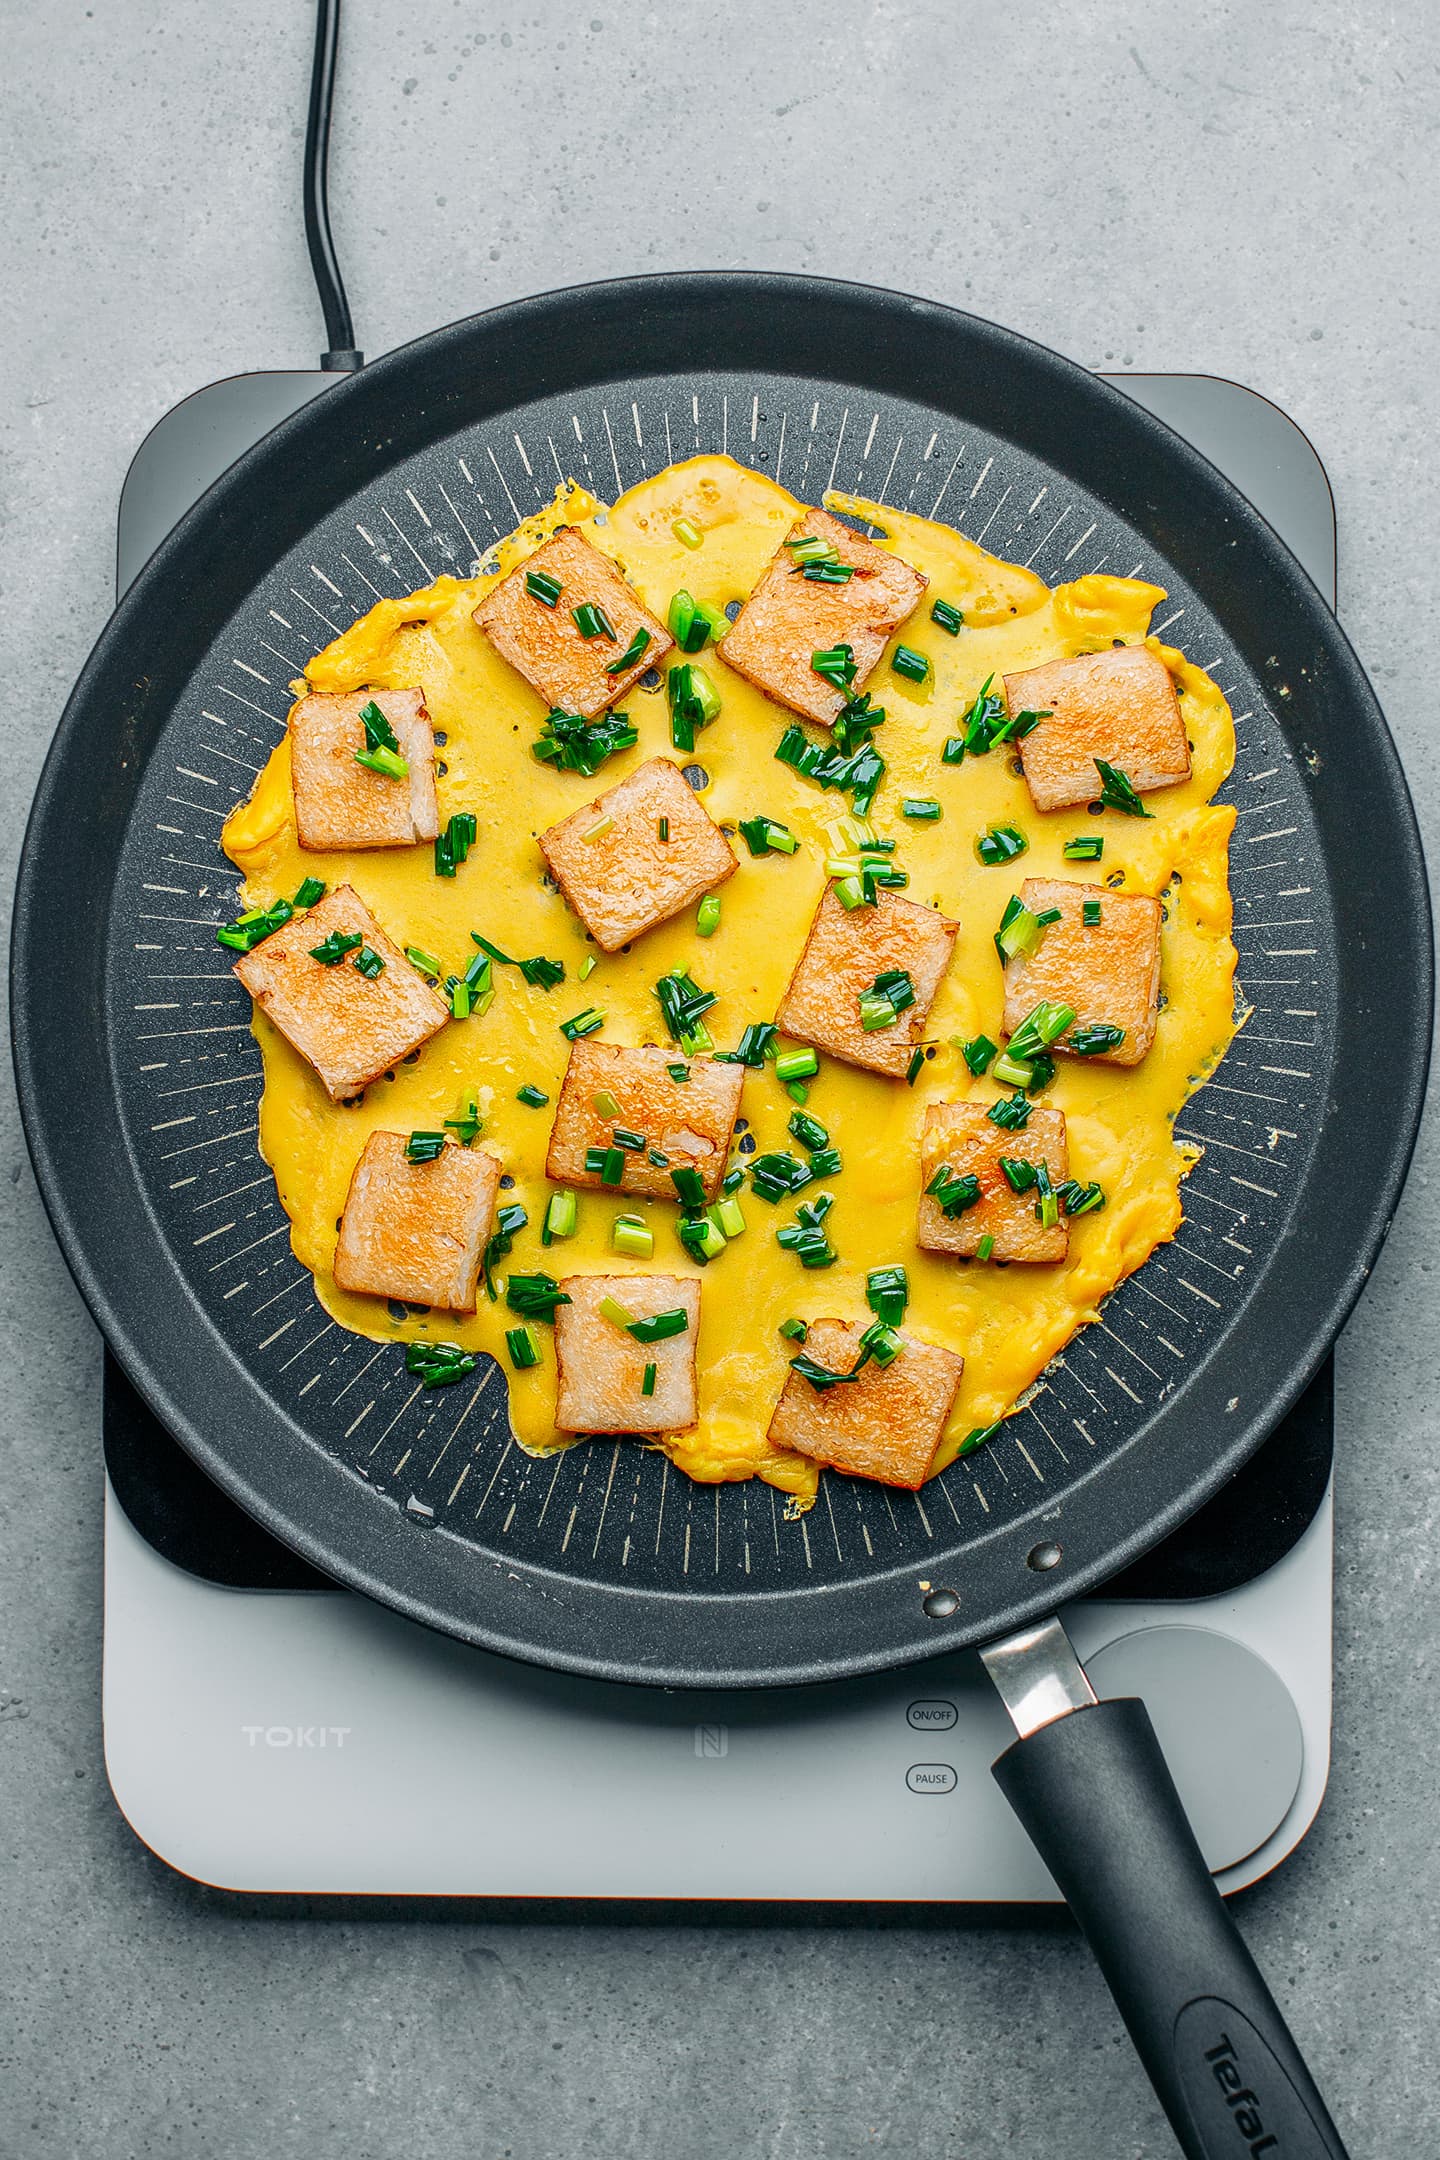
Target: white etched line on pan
<point x="1262" y="839"/>
<point x="1167" y="622"/>
<point x="725" y="425"/>
<point x="550" y="1492"/>
<point x="1021" y="1449"/>
<point x="327" y="582"/>
<point x="220" y="1231"/>
<point x="1048" y="1434"/>
<point x="308" y="1344"/>
<point x="660" y="1512"/>
<point x="505" y="1454"/>
<point x="246" y="765"/>
<point x="220" y="1199"/>
<point x="320" y="612"/>
<point x="1129" y="1349"/>
<point x="403" y="535"/>
<point x="993" y="515"/>
<point x="885" y="497"/>
<point x="835" y="461"/>
<point x="283" y="1329"/>
<point x="669" y="452"/>
<point x="809" y="442"/>
<point x="246" y="669"/>
<point x="361" y="575"/>
<point x="293" y="1284"/>
<point x="1229" y="1147"/>
<point x="474" y="543"/>
<point x="615" y="1456"/>
<point x="204" y="778"/>
<point x="253" y="1246"/>
<point x="202" y="809"/>
<point x="780" y="452"/>
<point x="554" y="459"/>
<point x="179" y="892"/>
<point x="635" y="416"/>
<point x="410" y="1398"/>
<point x="983" y="477"/>
<point x="503" y="482"/>
<point x="614" y="460"/>
<point x="276" y="616"/>
<point x="1123" y="1386"/>
<point x="920" y="1511"/>
<point x="948" y="477"/>
<point x="754" y="416"/>
<point x="1195" y="1291"/>
<point x="829" y="1510"/>
<point x="1037" y="502"/>
<point x="1079" y="543"/>
<point x="420" y="511"/>
<point x="1226" y="1274"/>
<point x="371" y="1360"/>
<point x="216" y="1140"/>
<point x="454" y="1433"/>
<point x="1049" y="535"/>
<point x="274" y="718"/>
<point x="870" y="438"/>
<point x="1155" y="1299"/>
<point x="1250" y="1186"/>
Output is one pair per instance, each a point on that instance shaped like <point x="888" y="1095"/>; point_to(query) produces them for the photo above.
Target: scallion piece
<point x="693" y="701"/>
<point x="591" y="621"/>
<point x="632" y="1142"/>
<point x="367" y="962"/>
<point x="1020" y="932"/>
<point x="379" y="735"/>
<point x="1090" y="914"/>
<point x="561" y="1215"/>
<point x="952" y="1192"/>
<point x="728" y="1216"/>
<point x="678" y="1073"/>
<point x="438" y="1364"/>
<point x="835" y="665"/>
<point x="1018" y="1174"/>
<point x="310" y="890"/>
<point x="887" y="1293"/>
<point x="536" y="1296"/>
<point x="455" y="842"/>
<point x="1000" y="844"/>
<point x="905" y="661"/>
<point x="689" y="1186"/>
<point x="916" y="1065"/>
<point x="647" y="1379"/>
<point x="1116" y="791"/>
<point x="794" y="1330"/>
<point x="922" y="809"/>
<point x="1012" y="1071"/>
<point x="683" y="1004"/>
<point x="701" y="1238"/>
<point x="1044" y="1024"/>
<point x="688" y="533"/>
<point x="1012" y="1115"/>
<point x="333" y="949"/>
<point x="662" y="829"/>
<point x="808" y="1131"/>
<point x="660" y="1326"/>
<point x="388" y="763"/>
<point x="949" y="618"/>
<point x="534" y="1098"/>
<point x="613" y="1311"/>
<point x="634" y="651"/>
<point x="796" y="1065"/>
<point x="422" y="1147"/>
<point x="630" y="1235"/>
<point x="542" y="587"/>
<point x="1093" y="1041"/>
<point x="1085" y="847"/>
<point x="977" y="1052"/>
<point x="426" y="962"/>
<point x="985" y="1247"/>
<point x="573" y="744"/>
<point x="891" y="994"/>
<point x="467" y="1128"/>
<point x="977" y="1437"/>
<point x="880" y="1343"/>
<point x="707" y="916"/>
<point x="523" y="1348"/>
<point x="582" y="1023"/>
<point x="254" y="926"/>
<point x="764" y="836"/>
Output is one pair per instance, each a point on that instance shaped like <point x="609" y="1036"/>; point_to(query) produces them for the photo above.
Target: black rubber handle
<point x="1094" y="1792"/>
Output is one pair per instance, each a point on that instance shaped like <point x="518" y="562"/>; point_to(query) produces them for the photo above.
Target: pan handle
<point x="1088" y="1781"/>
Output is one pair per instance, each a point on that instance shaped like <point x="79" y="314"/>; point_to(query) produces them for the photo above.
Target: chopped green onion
<point x="1090" y="914"/>
<point x="1012" y="1071"/>
<point x="388" y="763"/>
<point x="922" y="808"/>
<point x="849" y="892"/>
<point x="683" y="1004"/>
<point x="1000" y="844"/>
<point x="879" y="1342"/>
<point x="835" y="665"/>
<point x="810" y="548"/>
<point x="647" y="1379"/>
<point x="916" y="1065"/>
<point x="583" y="1023"/>
<point x="542" y="587"/>
<point x="753" y="1047"/>
<point x="454" y="844"/>
<point x="629" y="1234"/>
<point x="523" y="1348"/>
<point x="887" y="1293"/>
<point x="808" y="1131"/>
<point x="573" y="744"/>
<point x="693" y="701"/>
<point x="1093" y="1041"/>
<point x="662" y="828"/>
<point x="978" y="1434"/>
<point x="611" y="1166"/>
<point x="467" y="1127"/>
<point x="632" y="1142"/>
<point x="678" y="1073"/>
<point x="707" y="915"/>
<point x="379" y="735"/>
<point x="536" y="1296"/>
<point x="502" y="1237"/>
<point x="660" y="1326"/>
<point x="310" y="890"/>
<point x="977" y="1052"/>
<point x="693" y="623"/>
<point x="598" y="830"/>
<point x="1012" y="1115"/>
<point x="615" y="1313"/>
<point x="1044" y="1024"/>
<point x="424" y="1147"/>
<point x="426" y="962"/>
<point x="701" y="1238"/>
<point x="254" y="926"/>
<point x="334" y="948"/>
<point x="728" y="1216"/>
<point x="1078" y="1199"/>
<point x="1018" y="1174"/>
<point x="985" y="1247"/>
<point x="794" y="1330"/>
<point x="1085" y="847"/>
<point x="689" y="1186"/>
<point x="952" y="1192"/>
<point x="1020" y="932"/>
<point x="534" y="1098"/>
<point x="775" y="1176"/>
<point x="605" y="1105"/>
<point x="948" y="617"/>
<point x="907" y="662"/>
<point x="587" y="967"/>
<point x="633" y="652"/>
<point x="1047" y="1211"/>
<point x="763" y="836"/>
<point x="820" y="1377"/>
<point x="796" y="1064"/>
<point x="1116" y="791"/>
<point x="687" y="533"/>
<point x="891" y="994"/>
<point x="591" y="620"/>
<point x="438" y="1364"/>
<point x="826" y="1162"/>
<point x="367" y="962"/>
<point x="561" y="1216"/>
<point x="828" y="573"/>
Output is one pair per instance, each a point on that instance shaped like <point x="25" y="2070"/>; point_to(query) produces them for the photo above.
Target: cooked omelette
<point x="712" y="529"/>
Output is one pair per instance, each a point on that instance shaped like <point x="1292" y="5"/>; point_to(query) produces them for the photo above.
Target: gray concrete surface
<point x="1243" y="190"/>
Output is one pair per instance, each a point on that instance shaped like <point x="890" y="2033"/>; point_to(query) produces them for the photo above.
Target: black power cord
<point x="343" y="358"/>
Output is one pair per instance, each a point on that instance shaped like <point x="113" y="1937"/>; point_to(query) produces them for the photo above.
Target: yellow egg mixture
<point x="1008" y="1322"/>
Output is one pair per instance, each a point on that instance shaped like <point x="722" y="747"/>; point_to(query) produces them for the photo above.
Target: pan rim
<point x="36" y="1025"/>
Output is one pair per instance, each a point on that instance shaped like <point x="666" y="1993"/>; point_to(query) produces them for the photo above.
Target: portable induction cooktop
<point x="265" y="1731"/>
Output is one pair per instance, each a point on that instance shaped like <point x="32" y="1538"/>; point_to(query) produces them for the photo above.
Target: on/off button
<point x="930" y="1777"/>
<point x="931" y="1716"/>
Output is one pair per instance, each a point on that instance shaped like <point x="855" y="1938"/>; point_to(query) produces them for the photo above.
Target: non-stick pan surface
<point x="139" y="1076"/>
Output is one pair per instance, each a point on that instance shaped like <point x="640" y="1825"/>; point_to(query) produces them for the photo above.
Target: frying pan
<point x="139" y="1077"/>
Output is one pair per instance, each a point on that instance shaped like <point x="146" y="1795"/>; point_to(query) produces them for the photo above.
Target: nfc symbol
<point x="712" y="1740"/>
